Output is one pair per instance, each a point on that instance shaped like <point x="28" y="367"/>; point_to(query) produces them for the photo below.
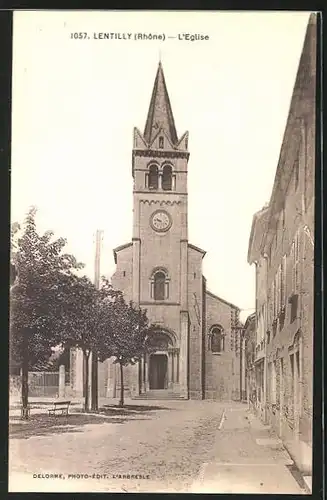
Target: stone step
<point x="162" y="398"/>
<point x="159" y="394"/>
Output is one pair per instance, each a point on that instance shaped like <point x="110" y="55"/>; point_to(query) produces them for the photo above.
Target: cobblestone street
<point x="177" y="446"/>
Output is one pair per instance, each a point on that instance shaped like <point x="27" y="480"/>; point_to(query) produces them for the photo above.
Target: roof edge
<point x="121" y="247"/>
<point x="222" y="300"/>
<point x="198" y="249"/>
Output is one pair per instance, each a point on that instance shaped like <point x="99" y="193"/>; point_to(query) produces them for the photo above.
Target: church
<point x="196" y="352"/>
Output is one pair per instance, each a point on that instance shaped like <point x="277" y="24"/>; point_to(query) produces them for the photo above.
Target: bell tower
<point x="160" y="231"/>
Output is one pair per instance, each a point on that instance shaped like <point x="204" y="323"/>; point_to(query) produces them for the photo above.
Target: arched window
<point x="167" y="178"/>
<point x="153" y="177"/>
<point x="159" y="284"/>
<point x="217" y="339"/>
<point x="161" y="142"/>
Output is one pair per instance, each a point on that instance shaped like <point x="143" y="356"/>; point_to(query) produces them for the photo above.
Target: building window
<point x="216" y="339"/>
<point x="153" y="177"/>
<point x="297" y="359"/>
<point x="268" y="336"/>
<point x="294" y="306"/>
<point x="161" y="142"/>
<point x="283" y="218"/>
<point x="167" y="178"/>
<point x="159" y="285"/>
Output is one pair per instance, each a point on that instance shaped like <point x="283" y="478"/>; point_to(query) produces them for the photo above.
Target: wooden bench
<point x="61" y="407"/>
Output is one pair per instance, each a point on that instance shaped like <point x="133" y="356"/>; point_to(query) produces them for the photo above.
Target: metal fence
<point x="43" y="383"/>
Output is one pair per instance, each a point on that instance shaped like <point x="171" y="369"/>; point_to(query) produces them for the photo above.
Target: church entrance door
<point x="158" y="371"/>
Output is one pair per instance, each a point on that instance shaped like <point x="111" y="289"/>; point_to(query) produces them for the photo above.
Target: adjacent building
<point x="197" y="352"/>
<point x="249" y="336"/>
<point x="282" y="249"/>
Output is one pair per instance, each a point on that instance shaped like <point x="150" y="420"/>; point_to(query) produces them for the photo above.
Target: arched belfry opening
<point x="167" y="178"/>
<point x="153" y="178"/>
<point x="159" y="369"/>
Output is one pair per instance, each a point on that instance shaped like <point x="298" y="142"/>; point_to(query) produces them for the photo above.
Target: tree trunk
<point x="86" y="399"/>
<point x="121" y="402"/>
<point x="25" y="376"/>
<point x="94" y="382"/>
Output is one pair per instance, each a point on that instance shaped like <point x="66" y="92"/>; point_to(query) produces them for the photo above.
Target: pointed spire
<point x="160" y="114"/>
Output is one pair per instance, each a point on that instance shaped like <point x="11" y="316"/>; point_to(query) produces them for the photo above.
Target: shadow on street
<point x="130" y="409"/>
<point x="38" y="404"/>
<point x="43" y="424"/>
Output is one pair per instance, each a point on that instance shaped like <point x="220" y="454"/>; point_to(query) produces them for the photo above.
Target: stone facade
<point x="222" y="370"/>
<point x="282" y="247"/>
<point x="160" y="271"/>
<point x="250" y="342"/>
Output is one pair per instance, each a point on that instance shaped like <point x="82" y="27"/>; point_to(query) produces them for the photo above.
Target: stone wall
<point x="222" y="370"/>
<point x="195" y="309"/>
<point x="123" y="276"/>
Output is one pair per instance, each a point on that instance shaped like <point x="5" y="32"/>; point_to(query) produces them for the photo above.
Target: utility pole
<point x="94" y="361"/>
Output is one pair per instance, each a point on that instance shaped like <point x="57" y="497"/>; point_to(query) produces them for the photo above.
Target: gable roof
<point x="222" y="300"/>
<point x="121" y="247"/>
<point x="197" y="249"/>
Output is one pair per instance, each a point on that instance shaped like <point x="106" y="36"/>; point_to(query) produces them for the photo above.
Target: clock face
<point x="160" y="221"/>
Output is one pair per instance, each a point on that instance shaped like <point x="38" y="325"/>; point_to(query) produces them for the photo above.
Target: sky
<point x="76" y="101"/>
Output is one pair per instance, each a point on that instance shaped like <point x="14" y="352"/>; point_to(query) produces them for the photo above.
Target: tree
<point x="82" y="323"/>
<point x="102" y="336"/>
<point x="38" y="298"/>
<point x="91" y="328"/>
<point x="126" y="334"/>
